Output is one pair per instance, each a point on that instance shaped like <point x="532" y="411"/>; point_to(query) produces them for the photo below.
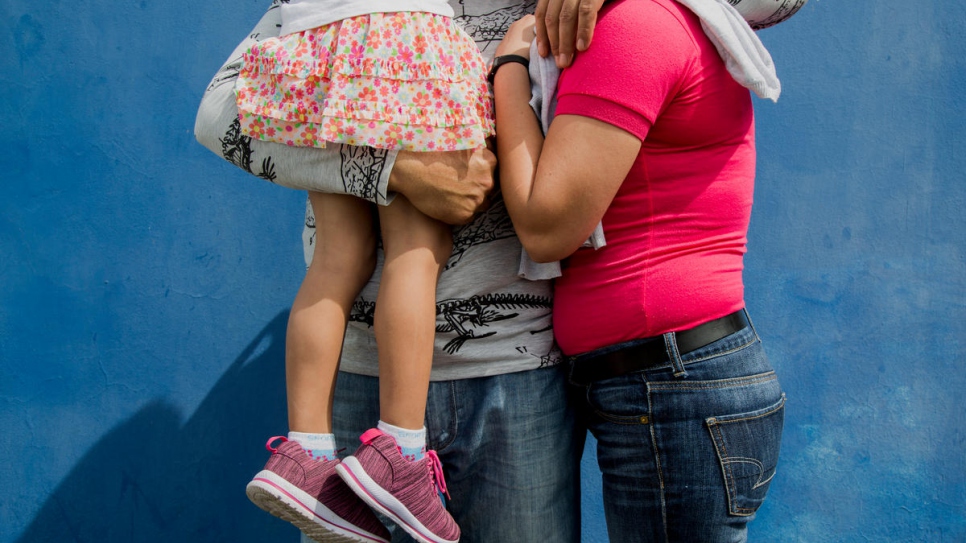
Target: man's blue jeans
<point x="687" y="452"/>
<point x="508" y="445"/>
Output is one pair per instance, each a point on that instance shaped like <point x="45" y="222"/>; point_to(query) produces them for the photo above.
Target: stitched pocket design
<point x="747" y="446"/>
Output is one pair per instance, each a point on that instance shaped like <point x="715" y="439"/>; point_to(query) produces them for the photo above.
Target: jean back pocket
<point x="747" y="445"/>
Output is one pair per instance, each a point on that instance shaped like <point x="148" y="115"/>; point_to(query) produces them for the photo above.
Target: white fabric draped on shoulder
<point x="299" y="15"/>
<point x="764" y="13"/>
<point x="745" y="56"/>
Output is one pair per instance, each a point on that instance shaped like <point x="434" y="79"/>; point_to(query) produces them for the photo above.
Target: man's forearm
<point x="449" y="186"/>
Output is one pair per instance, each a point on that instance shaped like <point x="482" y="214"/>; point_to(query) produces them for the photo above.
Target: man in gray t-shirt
<point x="497" y="413"/>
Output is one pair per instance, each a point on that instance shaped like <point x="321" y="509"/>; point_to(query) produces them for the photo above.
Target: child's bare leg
<point x="416" y="249"/>
<point x="343" y="261"/>
<point x="295" y="483"/>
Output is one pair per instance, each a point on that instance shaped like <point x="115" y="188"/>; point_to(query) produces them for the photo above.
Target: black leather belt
<point x="651" y="353"/>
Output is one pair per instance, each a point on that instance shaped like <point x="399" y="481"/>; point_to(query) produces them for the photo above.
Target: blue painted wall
<point x="144" y="284"/>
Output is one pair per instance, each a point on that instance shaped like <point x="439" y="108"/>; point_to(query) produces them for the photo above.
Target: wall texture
<point x="144" y="283"/>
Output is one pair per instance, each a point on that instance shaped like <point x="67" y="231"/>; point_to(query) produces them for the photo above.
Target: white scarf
<point x="744" y="55"/>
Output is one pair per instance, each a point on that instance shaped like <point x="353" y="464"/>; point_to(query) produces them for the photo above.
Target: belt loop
<point x="671" y="345"/>
<point x="750" y="323"/>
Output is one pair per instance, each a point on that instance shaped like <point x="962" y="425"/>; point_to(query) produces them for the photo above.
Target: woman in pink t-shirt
<point x="654" y="138"/>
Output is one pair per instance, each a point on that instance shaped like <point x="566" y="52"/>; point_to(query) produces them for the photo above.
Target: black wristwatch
<point x="505" y="59"/>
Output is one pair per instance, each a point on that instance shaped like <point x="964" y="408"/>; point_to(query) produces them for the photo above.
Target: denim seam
<point x="769" y="411"/>
<point x="716" y="354"/>
<point x="730" y="485"/>
<point x="655" y="450"/>
<point x="712" y="385"/>
<point x="632" y="420"/>
<point x="453" y="423"/>
<point x="625" y="420"/>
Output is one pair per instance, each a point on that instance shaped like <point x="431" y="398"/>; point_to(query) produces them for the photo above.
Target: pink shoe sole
<point x="286" y="501"/>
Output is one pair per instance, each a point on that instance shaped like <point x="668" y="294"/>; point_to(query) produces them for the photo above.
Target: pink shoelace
<point x="436" y="471"/>
<point x="435" y="466"/>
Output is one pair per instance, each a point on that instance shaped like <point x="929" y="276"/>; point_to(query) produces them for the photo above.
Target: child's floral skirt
<point x="406" y="81"/>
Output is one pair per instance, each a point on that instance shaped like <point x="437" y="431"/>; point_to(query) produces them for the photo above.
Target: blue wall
<point x="144" y="283"/>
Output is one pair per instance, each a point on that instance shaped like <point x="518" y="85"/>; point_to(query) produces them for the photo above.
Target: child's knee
<point x="345" y="260"/>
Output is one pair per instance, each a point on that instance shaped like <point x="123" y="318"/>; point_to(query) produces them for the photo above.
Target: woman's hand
<point x="564" y="24"/>
<point x="518" y="38"/>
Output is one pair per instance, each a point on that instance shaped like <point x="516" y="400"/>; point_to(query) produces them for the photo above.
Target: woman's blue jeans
<point x="687" y="452"/>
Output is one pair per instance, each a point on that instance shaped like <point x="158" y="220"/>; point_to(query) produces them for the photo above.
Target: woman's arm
<point x="556" y="190"/>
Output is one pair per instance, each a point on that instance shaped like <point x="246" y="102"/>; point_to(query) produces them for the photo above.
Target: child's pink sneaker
<point x="405" y="491"/>
<point x="305" y="491"/>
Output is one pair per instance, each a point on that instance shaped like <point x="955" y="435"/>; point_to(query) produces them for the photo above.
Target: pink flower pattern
<point x="405" y="81"/>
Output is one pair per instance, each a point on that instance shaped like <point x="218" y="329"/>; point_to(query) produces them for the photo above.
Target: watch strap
<point x="505" y="59"/>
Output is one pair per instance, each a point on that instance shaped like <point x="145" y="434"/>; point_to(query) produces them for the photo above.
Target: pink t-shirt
<point x="676" y="231"/>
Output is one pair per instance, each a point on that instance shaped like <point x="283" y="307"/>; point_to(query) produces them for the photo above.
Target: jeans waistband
<point x="651" y="353"/>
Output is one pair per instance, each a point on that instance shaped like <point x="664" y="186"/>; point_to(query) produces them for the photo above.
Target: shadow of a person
<point x="156" y="478"/>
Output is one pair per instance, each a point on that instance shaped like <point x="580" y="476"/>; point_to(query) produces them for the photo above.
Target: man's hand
<point x="449" y="186"/>
<point x="563" y="25"/>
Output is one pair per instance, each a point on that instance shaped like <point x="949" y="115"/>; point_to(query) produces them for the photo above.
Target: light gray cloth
<point x="298" y="15"/>
<point x="543" y="99"/>
<point x="744" y="55"/>
<point x="765" y="13"/>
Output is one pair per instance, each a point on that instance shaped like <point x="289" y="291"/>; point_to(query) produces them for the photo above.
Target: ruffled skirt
<point x="407" y="81"/>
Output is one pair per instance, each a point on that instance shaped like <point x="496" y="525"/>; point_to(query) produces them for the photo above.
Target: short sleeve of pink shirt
<point x="676" y="230"/>
<point x="623" y="85"/>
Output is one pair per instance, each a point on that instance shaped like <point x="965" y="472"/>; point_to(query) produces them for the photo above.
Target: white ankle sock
<point x="320" y="446"/>
<point x="412" y="443"/>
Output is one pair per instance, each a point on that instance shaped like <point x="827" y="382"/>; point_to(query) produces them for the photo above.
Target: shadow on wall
<point x="155" y="479"/>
